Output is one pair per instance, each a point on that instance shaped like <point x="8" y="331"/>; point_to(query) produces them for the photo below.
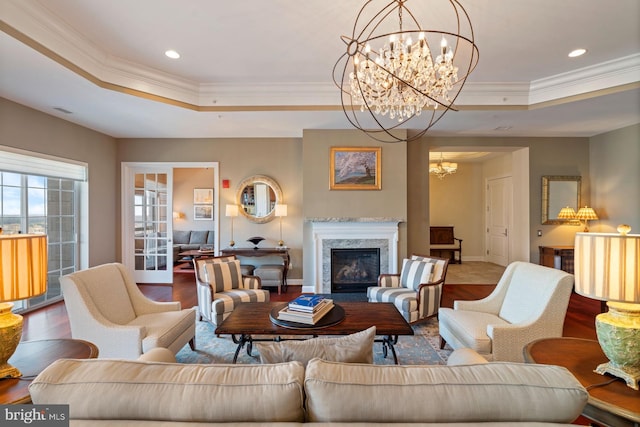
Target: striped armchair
<point x="222" y="287"/>
<point x="416" y="291"/>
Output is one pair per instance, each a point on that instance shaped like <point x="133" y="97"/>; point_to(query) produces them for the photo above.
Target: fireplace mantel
<point x="328" y="233"/>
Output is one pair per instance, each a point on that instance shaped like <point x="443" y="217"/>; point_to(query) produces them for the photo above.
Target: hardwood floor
<point x="52" y="321"/>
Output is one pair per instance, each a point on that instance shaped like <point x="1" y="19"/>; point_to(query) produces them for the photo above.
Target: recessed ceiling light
<point x="577" y="52"/>
<point x="172" y="54"/>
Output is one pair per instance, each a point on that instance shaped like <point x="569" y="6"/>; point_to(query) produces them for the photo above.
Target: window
<point x="32" y="200"/>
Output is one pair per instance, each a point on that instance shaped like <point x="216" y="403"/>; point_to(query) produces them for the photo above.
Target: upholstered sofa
<point x="187" y="240"/>
<point x="151" y="393"/>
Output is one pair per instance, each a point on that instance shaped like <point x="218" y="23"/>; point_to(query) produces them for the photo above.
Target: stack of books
<point x="307" y="309"/>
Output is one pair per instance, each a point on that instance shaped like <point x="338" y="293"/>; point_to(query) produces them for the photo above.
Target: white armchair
<point x="417" y="291"/>
<point x="529" y="303"/>
<point x="106" y="307"/>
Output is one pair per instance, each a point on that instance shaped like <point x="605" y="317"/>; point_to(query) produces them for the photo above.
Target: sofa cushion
<point x="498" y="392"/>
<point x="354" y="348"/>
<point x="198" y="237"/>
<point x="415" y="272"/>
<point x="181" y="237"/>
<point x="102" y="389"/>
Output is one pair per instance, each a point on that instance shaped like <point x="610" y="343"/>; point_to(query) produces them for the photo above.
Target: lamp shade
<point x="281" y="210"/>
<point x="231" y="210"/>
<point x="23" y="266"/>
<point x="586" y="213"/>
<point x="567" y="213"/>
<point x="607" y="266"/>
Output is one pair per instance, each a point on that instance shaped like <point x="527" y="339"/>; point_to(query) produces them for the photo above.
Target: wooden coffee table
<point x="31" y="357"/>
<point x="613" y="404"/>
<point x="251" y="319"/>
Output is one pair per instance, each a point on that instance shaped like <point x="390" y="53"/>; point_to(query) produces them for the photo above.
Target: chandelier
<point x="390" y="78"/>
<point x="442" y="168"/>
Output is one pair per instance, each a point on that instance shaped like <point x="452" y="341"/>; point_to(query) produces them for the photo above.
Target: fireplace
<point x="351" y="233"/>
<point x="354" y="270"/>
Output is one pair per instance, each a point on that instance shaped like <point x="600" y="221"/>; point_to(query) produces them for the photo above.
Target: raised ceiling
<point x="263" y="68"/>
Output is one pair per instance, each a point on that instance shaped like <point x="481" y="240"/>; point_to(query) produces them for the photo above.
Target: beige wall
<point x="458" y="200"/>
<point x="28" y="129"/>
<point x="301" y="166"/>
<point x="321" y="202"/>
<point x="184" y="181"/>
<point x="238" y="159"/>
<point x="615" y="174"/>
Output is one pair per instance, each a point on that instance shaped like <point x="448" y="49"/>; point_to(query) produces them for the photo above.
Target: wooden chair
<point x="443" y="243"/>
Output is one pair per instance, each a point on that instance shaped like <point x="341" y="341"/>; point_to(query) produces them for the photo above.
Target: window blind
<point x="30" y="163"/>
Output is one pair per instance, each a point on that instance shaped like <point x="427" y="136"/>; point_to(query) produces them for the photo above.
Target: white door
<point x="499" y="201"/>
<point x="147" y="222"/>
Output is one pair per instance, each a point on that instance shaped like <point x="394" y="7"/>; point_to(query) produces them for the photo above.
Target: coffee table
<point x="251" y="319"/>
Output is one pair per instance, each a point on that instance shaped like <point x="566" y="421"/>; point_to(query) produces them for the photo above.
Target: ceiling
<point x="263" y="68"/>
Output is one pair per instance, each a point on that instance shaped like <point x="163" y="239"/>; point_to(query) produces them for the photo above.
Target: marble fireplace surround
<point x="351" y="233"/>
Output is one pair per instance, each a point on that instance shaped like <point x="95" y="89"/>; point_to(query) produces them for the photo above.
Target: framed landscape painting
<point x="355" y="168"/>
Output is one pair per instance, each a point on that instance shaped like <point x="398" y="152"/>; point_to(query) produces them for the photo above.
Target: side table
<point x="31" y="357"/>
<point x="612" y="404"/>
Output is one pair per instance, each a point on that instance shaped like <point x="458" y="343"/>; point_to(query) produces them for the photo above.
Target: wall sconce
<point x="231" y="211"/>
<point x="585" y="214"/>
<point x="178" y="215"/>
<point x="281" y="210"/>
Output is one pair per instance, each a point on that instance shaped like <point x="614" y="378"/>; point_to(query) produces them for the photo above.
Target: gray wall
<point x="615" y="174"/>
<point x="28" y="129"/>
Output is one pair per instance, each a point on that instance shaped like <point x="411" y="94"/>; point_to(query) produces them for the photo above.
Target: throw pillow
<point x="223" y="276"/>
<point x="415" y="272"/>
<point x="438" y="266"/>
<point x="354" y="348"/>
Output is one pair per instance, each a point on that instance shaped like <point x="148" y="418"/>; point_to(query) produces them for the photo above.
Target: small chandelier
<point x="395" y="81"/>
<point x="442" y="168"/>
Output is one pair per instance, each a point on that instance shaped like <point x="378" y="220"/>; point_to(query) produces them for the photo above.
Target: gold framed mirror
<point x="558" y="192"/>
<point x="257" y="197"/>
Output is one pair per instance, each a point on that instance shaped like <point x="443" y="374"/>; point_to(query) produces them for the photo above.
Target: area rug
<point x="419" y="349"/>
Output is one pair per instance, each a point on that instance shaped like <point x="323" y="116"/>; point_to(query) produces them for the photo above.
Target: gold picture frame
<point x="355" y="168"/>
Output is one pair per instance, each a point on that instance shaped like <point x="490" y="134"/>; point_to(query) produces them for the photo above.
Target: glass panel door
<point x="147" y="225"/>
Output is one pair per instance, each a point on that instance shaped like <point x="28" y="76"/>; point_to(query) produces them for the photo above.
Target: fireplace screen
<point x="353" y="270"/>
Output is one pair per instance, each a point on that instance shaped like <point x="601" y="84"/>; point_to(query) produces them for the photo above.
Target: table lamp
<point x="23" y="274"/>
<point x="281" y="210"/>
<point x="231" y="211"/>
<point x="585" y="214"/>
<point x="567" y="213"/>
<point x="607" y="268"/>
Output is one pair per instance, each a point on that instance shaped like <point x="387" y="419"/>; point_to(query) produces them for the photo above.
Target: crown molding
<point x="34" y="25"/>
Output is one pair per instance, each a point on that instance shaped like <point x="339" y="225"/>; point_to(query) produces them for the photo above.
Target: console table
<point x="262" y="252"/>
<point x="560" y="257"/>
<point x="31" y="357"/>
<point x="613" y="404"/>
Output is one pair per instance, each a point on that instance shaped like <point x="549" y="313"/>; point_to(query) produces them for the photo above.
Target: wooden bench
<point x="444" y="244"/>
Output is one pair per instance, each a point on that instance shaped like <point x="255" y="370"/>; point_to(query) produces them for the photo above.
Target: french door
<point x="147" y="222"/>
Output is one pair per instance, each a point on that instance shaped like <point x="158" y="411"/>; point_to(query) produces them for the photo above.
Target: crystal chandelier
<point x="395" y="81"/>
<point x="442" y="168"/>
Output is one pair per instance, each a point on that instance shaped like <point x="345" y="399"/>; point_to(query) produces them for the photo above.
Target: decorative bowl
<point x="255" y="240"/>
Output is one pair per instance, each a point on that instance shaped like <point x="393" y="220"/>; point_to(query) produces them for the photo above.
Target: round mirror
<point x="257" y="197"/>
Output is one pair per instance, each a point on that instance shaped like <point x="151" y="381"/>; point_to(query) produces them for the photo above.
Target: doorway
<point x="148" y="216"/>
<point x="460" y="199"/>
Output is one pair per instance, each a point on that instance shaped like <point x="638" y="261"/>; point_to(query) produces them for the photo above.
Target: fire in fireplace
<point x="353" y="270"/>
